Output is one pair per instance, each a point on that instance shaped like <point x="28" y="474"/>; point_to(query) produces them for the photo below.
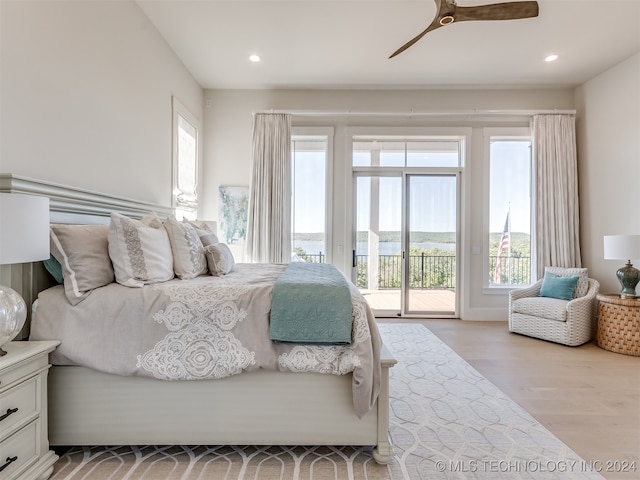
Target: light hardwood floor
<point x="586" y="396"/>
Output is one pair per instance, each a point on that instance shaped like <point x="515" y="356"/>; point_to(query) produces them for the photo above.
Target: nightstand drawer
<point x="18" y="403"/>
<point x="22" y="370"/>
<point x="19" y="450"/>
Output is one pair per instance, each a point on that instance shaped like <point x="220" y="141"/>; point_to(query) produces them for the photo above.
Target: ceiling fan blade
<point x="435" y="24"/>
<point x="497" y="11"/>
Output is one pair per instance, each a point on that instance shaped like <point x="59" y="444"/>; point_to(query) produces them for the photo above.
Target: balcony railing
<point x="437" y="271"/>
<point x="431" y="271"/>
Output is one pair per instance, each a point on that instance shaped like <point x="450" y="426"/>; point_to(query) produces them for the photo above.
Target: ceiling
<point x="328" y="44"/>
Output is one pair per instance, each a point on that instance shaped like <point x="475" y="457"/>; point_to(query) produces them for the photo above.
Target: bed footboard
<point x="256" y="408"/>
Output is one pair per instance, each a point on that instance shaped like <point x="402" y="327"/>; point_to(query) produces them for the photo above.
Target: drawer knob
<point x="8" y="462"/>
<point x="9" y="412"/>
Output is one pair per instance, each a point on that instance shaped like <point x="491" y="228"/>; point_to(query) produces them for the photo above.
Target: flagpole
<point x="510" y="281"/>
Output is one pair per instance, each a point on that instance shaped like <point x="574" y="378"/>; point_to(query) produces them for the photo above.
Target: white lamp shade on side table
<point x="24" y="237"/>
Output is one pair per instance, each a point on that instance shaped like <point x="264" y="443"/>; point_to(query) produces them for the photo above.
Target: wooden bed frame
<point x="87" y="407"/>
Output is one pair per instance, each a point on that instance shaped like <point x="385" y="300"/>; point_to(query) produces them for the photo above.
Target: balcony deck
<point x="436" y="301"/>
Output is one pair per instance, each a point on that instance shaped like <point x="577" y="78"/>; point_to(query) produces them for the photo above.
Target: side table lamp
<point x="624" y="247"/>
<point x="24" y="237"/>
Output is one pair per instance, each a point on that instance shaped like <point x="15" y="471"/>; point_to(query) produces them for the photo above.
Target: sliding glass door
<point x="431" y="233"/>
<point x="405" y="253"/>
<point x="377" y="255"/>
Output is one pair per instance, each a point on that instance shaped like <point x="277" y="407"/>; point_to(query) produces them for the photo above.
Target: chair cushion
<point x="583" y="282"/>
<point x="549" y="308"/>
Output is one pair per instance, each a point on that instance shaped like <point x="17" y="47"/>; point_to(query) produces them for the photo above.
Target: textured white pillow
<point x="83" y="253"/>
<point x="207" y="236"/>
<point x="219" y="259"/>
<point x="140" y="250"/>
<point x="187" y="249"/>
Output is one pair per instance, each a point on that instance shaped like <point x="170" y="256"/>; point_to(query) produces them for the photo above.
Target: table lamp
<point x="624" y="247"/>
<point x="24" y="237"/>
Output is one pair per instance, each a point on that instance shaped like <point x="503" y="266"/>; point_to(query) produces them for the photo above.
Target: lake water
<point x="386" y="248"/>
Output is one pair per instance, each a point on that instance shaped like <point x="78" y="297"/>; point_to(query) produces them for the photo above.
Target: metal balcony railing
<point x="437" y="271"/>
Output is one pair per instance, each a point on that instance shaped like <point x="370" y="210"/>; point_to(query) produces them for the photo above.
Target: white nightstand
<point x="24" y="442"/>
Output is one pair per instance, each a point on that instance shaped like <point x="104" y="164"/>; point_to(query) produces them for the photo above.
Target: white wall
<point x="608" y="132"/>
<point x="228" y="124"/>
<point x="86" y="97"/>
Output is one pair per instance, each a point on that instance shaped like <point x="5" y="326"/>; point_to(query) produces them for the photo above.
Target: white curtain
<point x="555" y="173"/>
<point x="269" y="218"/>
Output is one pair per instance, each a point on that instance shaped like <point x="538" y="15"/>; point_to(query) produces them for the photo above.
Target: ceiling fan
<point x="448" y="12"/>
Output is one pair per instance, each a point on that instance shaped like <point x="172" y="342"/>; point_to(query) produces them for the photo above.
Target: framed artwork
<point x="233" y="207"/>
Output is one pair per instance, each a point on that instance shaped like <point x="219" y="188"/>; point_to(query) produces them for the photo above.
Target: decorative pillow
<point x="583" y="281"/>
<point x="187" y="249"/>
<point x="83" y="253"/>
<point x="208" y="239"/>
<point x="204" y="231"/>
<point x="199" y="225"/>
<point x="140" y="250"/>
<point x="219" y="259"/>
<point x="54" y="268"/>
<point x="554" y="286"/>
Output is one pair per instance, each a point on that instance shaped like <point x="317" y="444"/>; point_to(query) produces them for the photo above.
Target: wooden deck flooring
<point x="441" y="302"/>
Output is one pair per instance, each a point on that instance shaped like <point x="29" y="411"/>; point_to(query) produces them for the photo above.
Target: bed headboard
<point x="67" y="205"/>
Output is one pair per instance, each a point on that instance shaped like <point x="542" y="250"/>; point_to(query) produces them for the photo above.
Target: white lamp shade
<point x="24" y="228"/>
<point x="622" y="247"/>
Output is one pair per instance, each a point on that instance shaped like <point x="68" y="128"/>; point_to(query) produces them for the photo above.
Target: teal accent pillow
<point x="54" y="268"/>
<point x="554" y="286"/>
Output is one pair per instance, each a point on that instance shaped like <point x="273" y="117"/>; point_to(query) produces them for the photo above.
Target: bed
<point x="93" y="401"/>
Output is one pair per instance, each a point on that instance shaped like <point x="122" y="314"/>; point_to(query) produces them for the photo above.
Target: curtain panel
<point x="555" y="175"/>
<point x="269" y="216"/>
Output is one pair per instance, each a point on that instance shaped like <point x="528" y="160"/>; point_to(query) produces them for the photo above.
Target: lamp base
<point x="628" y="276"/>
<point x="13" y="313"/>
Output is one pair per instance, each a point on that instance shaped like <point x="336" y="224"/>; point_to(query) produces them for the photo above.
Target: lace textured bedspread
<point x="205" y="328"/>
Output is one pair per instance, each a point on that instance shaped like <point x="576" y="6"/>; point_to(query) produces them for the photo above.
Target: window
<point x="509" y="239"/>
<point x="405" y="153"/>
<point x="310" y="162"/>
<point x="185" y="162"/>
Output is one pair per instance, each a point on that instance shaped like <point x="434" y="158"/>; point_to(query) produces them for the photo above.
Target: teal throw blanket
<point x="311" y="304"/>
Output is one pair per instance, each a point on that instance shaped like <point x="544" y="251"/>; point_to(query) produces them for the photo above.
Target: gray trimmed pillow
<point x="187" y="249"/>
<point x="140" y="250"/>
<point x="83" y="253"/>
<point x="219" y="259"/>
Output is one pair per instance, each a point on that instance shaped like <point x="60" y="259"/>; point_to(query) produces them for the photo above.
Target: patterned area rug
<point x="447" y="422"/>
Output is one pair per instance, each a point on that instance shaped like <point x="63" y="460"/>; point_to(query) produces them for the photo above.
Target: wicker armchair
<point x="569" y="322"/>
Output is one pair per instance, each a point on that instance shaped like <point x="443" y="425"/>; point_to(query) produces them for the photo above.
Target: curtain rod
<point x="420" y="113"/>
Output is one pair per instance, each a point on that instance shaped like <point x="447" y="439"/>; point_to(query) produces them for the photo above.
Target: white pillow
<point x="140" y="250"/>
<point x="219" y="259"/>
<point x="207" y="236"/>
<point x="187" y="249"/>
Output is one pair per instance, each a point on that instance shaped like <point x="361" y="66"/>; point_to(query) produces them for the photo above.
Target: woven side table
<point x="618" y="324"/>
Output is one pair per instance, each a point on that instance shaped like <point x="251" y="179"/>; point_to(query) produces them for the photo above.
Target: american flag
<point x="503" y="249"/>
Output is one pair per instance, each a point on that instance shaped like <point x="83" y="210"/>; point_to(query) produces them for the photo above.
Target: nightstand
<point x="618" y="324"/>
<point x="24" y="442"/>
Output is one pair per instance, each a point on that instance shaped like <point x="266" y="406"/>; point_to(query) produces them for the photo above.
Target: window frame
<point x="320" y="134"/>
<point x="508" y="134"/>
<point x="179" y="110"/>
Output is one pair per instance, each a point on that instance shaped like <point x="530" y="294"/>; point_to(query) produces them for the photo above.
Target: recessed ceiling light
<point x="254" y="58"/>
<point x="551" y="58"/>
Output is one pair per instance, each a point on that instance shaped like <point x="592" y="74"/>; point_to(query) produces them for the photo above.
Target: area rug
<point x="447" y="422"/>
